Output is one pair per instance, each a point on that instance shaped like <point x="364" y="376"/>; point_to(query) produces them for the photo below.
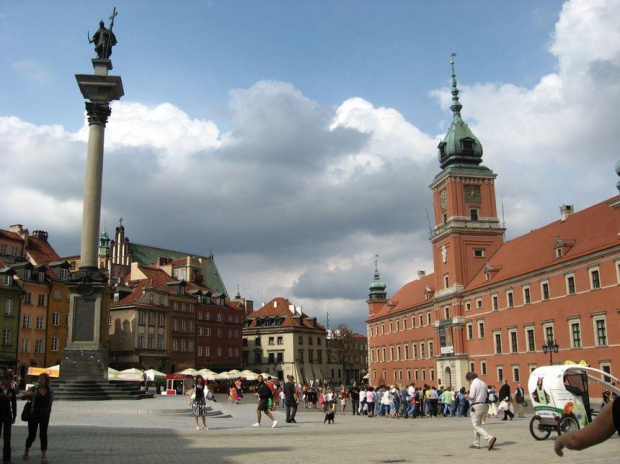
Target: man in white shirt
<point x="478" y="397"/>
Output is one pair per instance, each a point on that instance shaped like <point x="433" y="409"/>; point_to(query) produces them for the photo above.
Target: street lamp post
<point x="550" y="347"/>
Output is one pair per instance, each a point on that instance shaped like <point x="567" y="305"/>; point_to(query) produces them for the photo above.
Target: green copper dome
<point x="377" y="286"/>
<point x="460" y="145"/>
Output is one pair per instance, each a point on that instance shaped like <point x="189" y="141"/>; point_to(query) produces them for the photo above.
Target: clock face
<point x="443" y="199"/>
<point x="472" y="193"/>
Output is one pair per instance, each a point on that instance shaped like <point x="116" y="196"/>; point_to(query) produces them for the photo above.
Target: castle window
<point x="473" y="213"/>
<point x="467" y="145"/>
<point x="570" y="284"/>
<point x="446" y="281"/>
<point x="478" y="253"/>
<point x="544" y="286"/>
<point x="510" y="299"/>
<point x="595" y="278"/>
<point x="527" y="299"/>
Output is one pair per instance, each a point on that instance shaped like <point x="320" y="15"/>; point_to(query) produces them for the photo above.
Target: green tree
<point x="344" y="349"/>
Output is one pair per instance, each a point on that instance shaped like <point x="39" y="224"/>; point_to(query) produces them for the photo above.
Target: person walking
<point x="8" y="413"/>
<point x="41" y="397"/>
<point x="504" y="395"/>
<point x="478" y="398"/>
<point x="198" y="401"/>
<point x="265" y="401"/>
<point x="520" y="400"/>
<point x="291" y="399"/>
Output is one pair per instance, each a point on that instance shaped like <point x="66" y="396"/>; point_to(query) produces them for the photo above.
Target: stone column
<point x="97" y="119"/>
<point x="86" y="354"/>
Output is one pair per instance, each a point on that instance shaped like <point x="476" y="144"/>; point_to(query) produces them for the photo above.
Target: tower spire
<point x="460" y="147"/>
<point x="456" y="104"/>
<point x="377" y="287"/>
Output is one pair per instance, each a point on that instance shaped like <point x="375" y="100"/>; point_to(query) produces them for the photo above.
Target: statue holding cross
<point x="104" y="39"/>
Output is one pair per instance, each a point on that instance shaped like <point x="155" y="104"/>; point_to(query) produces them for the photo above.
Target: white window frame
<point x="527" y="295"/>
<point x="595" y="320"/>
<point x="510" y="299"/>
<point x="501" y="344"/>
<point x="572" y="322"/>
<point x="470" y="330"/>
<point x="516" y="378"/>
<point x="528" y="329"/>
<point x="591" y="272"/>
<point x="510" y="339"/>
<point x="543" y="284"/>
<point x="481" y="333"/>
<point x="545" y="326"/>
<point x="567" y="278"/>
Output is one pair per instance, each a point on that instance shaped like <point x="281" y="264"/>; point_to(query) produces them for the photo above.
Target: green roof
<point x="148" y="255"/>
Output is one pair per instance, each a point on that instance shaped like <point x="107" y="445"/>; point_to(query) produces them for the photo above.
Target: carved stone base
<point x="84" y="364"/>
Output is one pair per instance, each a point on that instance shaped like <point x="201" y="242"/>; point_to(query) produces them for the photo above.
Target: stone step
<point x="98" y="390"/>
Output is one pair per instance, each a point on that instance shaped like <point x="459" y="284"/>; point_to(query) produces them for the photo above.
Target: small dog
<point x="329" y="417"/>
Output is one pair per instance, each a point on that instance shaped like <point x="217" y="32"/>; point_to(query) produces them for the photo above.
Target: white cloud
<point x="297" y="198"/>
<point x="546" y="141"/>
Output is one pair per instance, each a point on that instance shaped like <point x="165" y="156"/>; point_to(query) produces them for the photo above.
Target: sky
<point x="297" y="140"/>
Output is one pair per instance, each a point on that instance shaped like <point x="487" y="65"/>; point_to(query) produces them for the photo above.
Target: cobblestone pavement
<point x="160" y="430"/>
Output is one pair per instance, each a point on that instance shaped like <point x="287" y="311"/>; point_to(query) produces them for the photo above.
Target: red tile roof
<point x="588" y="231"/>
<point x="10" y="235"/>
<point x="40" y="251"/>
<point x="411" y="294"/>
<point x="280" y="307"/>
<point x="591" y="230"/>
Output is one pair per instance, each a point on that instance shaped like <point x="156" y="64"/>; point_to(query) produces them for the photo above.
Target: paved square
<point x="161" y="430"/>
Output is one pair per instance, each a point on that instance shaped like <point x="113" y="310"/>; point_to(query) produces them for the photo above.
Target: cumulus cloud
<point x="297" y="198"/>
<point x="553" y="137"/>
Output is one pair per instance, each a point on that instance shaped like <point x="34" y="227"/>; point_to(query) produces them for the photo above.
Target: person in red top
<point x="272" y="386"/>
<point x="239" y="388"/>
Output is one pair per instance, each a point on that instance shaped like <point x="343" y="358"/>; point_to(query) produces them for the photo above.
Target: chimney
<point x="40" y="234"/>
<point x="565" y="211"/>
<point x="421" y="274"/>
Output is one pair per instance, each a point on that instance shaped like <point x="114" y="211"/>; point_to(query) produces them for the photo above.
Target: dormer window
<point x="28" y="274"/>
<point x="442" y="148"/>
<point x="64" y="274"/>
<point x="467" y="145"/>
<point x="41" y="276"/>
<point x="558" y="253"/>
<point x="181" y="290"/>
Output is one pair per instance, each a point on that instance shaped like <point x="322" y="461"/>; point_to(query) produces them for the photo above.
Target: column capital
<point x="98" y="113"/>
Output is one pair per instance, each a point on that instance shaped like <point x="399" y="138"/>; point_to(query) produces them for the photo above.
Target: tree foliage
<point x="343" y="346"/>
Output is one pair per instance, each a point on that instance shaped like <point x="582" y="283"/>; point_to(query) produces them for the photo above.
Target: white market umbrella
<point x="152" y="373"/>
<point x="233" y="372"/>
<point x="189" y="371"/>
<point x="204" y="372"/>
<point x="249" y="375"/>
<point x="129" y="374"/>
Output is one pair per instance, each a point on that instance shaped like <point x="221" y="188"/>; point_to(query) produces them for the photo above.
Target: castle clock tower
<point x="467" y="230"/>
